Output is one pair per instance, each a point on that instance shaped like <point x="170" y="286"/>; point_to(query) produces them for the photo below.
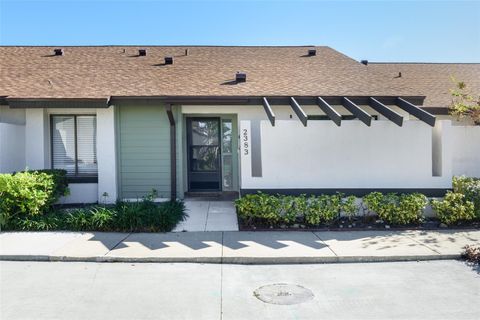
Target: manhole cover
<point x="282" y="293"/>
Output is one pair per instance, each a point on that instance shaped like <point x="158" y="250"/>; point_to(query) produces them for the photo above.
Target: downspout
<point x="173" y="153"/>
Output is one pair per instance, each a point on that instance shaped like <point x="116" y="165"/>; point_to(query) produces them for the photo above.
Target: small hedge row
<point x="273" y="210"/>
<point x="30" y="193"/>
<point x="458" y="206"/>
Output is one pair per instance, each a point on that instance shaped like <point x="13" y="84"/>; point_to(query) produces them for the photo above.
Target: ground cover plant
<point x="27" y="203"/>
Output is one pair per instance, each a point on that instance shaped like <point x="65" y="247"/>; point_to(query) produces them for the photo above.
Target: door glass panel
<point x="204" y="132"/>
<point x="227" y="136"/>
<point x="227" y="172"/>
<point x="204" y="158"/>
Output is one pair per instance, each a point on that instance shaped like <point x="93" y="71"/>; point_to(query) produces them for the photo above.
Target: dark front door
<point x="203" y="141"/>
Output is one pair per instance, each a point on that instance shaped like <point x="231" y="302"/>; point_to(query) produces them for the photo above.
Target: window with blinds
<point x="74" y="144"/>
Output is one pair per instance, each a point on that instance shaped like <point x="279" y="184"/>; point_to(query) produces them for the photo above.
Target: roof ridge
<point x="372" y="62"/>
<point x="162" y="46"/>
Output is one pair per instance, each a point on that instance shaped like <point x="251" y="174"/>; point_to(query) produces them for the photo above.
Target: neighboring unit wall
<point x="466" y="150"/>
<point x="143" y="150"/>
<point x="12" y="147"/>
<point x="12" y="139"/>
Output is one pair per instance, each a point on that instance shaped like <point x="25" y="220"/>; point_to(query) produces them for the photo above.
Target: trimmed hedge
<point x="397" y="209"/>
<point x="274" y="210"/>
<point x="454" y="208"/>
<point x="314" y="211"/>
<point x="470" y="188"/>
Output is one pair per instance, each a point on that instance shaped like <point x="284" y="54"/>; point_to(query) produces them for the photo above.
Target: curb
<point x="231" y="260"/>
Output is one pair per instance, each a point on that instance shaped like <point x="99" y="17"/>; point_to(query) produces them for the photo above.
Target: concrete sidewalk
<point x="237" y="247"/>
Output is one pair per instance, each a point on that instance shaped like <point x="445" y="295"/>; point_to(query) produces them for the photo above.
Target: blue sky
<point x="435" y="31"/>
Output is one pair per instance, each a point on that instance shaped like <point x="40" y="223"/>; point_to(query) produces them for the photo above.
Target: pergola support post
<point x="173" y="153"/>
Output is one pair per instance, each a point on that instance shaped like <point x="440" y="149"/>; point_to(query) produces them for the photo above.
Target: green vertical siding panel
<point x="144" y="150"/>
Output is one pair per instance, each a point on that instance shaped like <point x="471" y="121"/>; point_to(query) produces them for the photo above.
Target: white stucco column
<point x="36" y="139"/>
<point x="106" y="156"/>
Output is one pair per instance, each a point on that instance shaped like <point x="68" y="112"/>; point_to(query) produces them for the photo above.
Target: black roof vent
<point x="186" y="52"/>
<point x="142" y="52"/>
<point x="58" y="52"/>
<point x="312" y="52"/>
<point x="365" y="62"/>
<point x="168" y="60"/>
<point x="241" y="77"/>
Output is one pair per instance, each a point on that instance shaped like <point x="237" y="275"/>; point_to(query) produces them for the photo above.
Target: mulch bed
<point x="356" y="224"/>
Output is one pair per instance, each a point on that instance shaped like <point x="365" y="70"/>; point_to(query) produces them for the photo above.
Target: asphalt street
<point x="395" y="290"/>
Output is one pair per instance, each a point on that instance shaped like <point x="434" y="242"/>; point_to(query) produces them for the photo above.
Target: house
<point x="124" y="120"/>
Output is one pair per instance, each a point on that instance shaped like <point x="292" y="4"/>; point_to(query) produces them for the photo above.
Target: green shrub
<point x="60" y="181"/>
<point x="349" y="206"/>
<point x="25" y="193"/>
<point x="30" y="193"/>
<point x="323" y="209"/>
<point x="470" y="188"/>
<point x="397" y="209"/>
<point x="373" y="201"/>
<point x="261" y="207"/>
<point x="453" y="208"/>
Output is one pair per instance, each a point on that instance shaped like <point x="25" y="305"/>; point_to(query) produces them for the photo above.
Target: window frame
<point x="77" y="178"/>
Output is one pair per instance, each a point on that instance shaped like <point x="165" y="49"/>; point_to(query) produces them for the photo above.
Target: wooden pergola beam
<point x="329" y="111"/>
<point x="386" y="111"/>
<point x="357" y="111"/>
<point x="268" y="111"/>
<point x="422" y="115"/>
<point x="299" y="111"/>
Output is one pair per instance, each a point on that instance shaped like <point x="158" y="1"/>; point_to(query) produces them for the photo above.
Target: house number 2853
<point x="245" y="141"/>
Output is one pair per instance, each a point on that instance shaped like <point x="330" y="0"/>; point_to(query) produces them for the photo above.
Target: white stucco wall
<point x="106" y="158"/>
<point x="466" y="150"/>
<point x="81" y="193"/>
<point x="36" y="139"/>
<point x="12" y="147"/>
<point x="323" y="155"/>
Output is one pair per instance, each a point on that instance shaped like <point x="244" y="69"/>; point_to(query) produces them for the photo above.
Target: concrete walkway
<point x="237" y="247"/>
<point x="209" y="216"/>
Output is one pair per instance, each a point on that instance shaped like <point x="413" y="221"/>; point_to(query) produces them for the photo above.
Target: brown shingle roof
<point x="433" y="80"/>
<point x="99" y="72"/>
